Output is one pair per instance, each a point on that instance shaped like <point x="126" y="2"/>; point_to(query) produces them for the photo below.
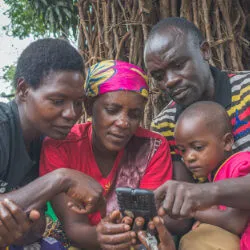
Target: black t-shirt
<point x="17" y="166"/>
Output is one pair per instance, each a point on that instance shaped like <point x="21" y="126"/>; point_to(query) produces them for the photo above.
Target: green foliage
<point x="42" y="18"/>
<point x="24" y="20"/>
<point x="8" y="75"/>
<point x="9" y="72"/>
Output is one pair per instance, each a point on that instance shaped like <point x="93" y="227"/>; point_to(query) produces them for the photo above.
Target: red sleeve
<point x="242" y="166"/>
<point x="53" y="156"/>
<point x="159" y="169"/>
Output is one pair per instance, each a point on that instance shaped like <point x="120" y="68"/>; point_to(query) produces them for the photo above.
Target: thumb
<point x="34" y="215"/>
<point x="160" y="193"/>
<point x="161" y="212"/>
<point x="196" y="225"/>
<point x="93" y="205"/>
<point x="115" y="217"/>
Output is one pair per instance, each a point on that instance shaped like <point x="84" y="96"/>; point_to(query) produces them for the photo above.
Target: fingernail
<point x="132" y="234"/>
<point x="126" y="220"/>
<point x="133" y="241"/>
<point x="161" y="212"/>
<point x="139" y="223"/>
<point x="126" y="227"/>
<point x="161" y="220"/>
<point x="6" y="200"/>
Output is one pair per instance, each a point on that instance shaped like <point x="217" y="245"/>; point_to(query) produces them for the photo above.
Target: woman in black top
<point x="48" y="102"/>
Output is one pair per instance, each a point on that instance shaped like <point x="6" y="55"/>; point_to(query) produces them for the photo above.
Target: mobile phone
<point x="136" y="203"/>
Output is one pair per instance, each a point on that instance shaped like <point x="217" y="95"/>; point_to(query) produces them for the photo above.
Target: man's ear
<point x="205" y="50"/>
<point x="22" y="89"/>
<point x="228" y="141"/>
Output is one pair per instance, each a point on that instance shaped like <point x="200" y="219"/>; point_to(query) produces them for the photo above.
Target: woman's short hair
<point x="44" y="56"/>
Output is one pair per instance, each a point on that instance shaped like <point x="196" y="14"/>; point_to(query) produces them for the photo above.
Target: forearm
<point x="211" y="216"/>
<point x="232" y="220"/>
<point x="83" y="236"/>
<point x="233" y="192"/>
<point x="38" y="192"/>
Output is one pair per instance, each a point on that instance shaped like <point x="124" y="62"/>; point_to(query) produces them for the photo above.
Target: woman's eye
<point x="111" y="111"/>
<point x="57" y="102"/>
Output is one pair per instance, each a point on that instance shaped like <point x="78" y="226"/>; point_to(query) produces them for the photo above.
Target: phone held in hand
<point x="136" y="203"/>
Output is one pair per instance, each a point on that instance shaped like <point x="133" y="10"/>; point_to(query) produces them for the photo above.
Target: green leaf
<point x="67" y="12"/>
<point x="44" y="2"/>
<point x="57" y="10"/>
<point x="51" y="18"/>
<point x="41" y="18"/>
<point x="9" y="72"/>
<point x="62" y="4"/>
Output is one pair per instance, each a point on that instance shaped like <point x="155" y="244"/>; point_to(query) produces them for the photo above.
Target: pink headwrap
<point x="111" y="75"/>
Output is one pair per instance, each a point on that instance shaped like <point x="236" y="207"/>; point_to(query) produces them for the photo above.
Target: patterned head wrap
<point x="111" y="75"/>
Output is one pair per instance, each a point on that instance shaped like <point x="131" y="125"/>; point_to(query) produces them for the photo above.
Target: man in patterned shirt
<point x="176" y="55"/>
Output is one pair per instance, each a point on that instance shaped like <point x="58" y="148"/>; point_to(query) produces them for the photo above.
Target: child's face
<point x="202" y="149"/>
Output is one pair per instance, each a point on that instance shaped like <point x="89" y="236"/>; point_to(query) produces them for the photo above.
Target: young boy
<point x="204" y="137"/>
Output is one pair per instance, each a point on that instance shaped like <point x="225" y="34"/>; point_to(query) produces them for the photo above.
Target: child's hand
<point x="196" y="225"/>
<point x="165" y="238"/>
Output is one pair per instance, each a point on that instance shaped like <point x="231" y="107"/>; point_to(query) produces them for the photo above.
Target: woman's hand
<point x="86" y="192"/>
<point x="14" y="222"/>
<point x="166" y="240"/>
<point x="113" y="232"/>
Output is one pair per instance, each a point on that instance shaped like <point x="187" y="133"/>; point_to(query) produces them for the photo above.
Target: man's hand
<point x="14" y="222"/>
<point x="182" y="199"/>
<point x="113" y="233"/>
<point x="87" y="194"/>
<point x="165" y="238"/>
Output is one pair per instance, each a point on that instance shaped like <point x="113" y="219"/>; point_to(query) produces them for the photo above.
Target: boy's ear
<point x="228" y="140"/>
<point x="205" y="50"/>
<point x="22" y="89"/>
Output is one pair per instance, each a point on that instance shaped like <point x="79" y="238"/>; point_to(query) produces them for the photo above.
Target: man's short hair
<point x="183" y="24"/>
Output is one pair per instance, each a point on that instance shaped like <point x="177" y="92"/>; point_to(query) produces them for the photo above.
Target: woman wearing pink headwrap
<point x="112" y="149"/>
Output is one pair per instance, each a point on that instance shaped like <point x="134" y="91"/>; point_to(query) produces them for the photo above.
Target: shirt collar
<point x="223" y="94"/>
